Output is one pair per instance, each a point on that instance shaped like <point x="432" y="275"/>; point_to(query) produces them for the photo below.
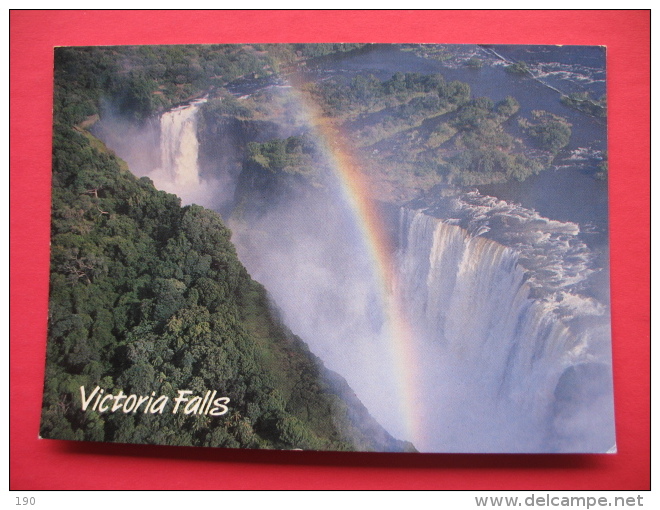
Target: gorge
<point x="491" y="295"/>
<point x="464" y="321"/>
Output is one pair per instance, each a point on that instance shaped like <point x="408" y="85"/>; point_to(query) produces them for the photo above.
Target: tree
<point x="507" y="107"/>
<point x="550" y="132"/>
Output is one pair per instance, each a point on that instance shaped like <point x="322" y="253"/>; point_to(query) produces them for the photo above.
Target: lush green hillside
<point x="147" y="296"/>
<point x="149" y="304"/>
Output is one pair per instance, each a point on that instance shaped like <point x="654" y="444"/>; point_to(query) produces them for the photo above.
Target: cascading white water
<point x="503" y="340"/>
<point x="469" y="294"/>
<point x="178" y="170"/>
<point x="166" y="151"/>
<point x="495" y="355"/>
<point x="179" y="147"/>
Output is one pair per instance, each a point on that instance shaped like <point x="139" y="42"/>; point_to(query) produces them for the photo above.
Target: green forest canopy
<point x="148" y="297"/>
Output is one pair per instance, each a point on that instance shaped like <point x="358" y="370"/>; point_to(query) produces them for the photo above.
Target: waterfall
<point x="178" y="171"/>
<point x="179" y="147"/>
<point x="505" y="355"/>
<point x="506" y="348"/>
<point x="167" y="151"/>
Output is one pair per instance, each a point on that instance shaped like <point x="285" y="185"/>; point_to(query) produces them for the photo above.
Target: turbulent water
<point x="506" y="325"/>
<point x="510" y="349"/>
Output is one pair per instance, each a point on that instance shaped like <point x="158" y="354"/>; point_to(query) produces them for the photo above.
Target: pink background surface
<point x="48" y="464"/>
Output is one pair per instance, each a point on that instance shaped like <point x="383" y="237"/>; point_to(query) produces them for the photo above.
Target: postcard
<point x="348" y="247"/>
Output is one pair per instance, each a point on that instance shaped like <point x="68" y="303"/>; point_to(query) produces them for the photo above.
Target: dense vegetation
<point x="142" y="80"/>
<point x="417" y="130"/>
<point x="148" y="298"/>
<point x="549" y="132"/>
<point x="292" y="155"/>
<point x="367" y="93"/>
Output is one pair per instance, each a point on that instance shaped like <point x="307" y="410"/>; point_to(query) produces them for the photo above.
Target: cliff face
<point x="223" y="140"/>
<point x="148" y="300"/>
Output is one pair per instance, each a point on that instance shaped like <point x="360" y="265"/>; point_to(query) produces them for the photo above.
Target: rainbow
<point x="355" y="187"/>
